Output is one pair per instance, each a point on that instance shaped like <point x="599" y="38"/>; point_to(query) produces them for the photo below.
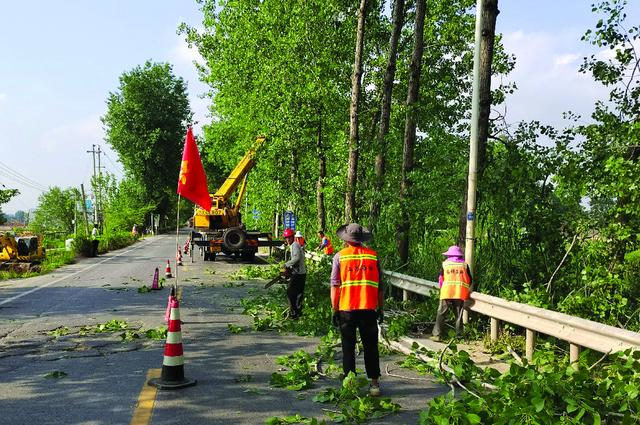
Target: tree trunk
<point x="490" y="13"/>
<point x="385" y="112"/>
<point x="352" y="173"/>
<point x="413" y="95"/>
<point x="322" y="173"/>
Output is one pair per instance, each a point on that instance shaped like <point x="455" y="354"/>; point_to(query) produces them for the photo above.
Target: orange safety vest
<point x="456" y="283"/>
<point x="359" y="277"/>
<point x="328" y="249"/>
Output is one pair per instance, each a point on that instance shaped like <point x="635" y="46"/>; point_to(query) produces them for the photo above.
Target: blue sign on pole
<point x="290" y="220"/>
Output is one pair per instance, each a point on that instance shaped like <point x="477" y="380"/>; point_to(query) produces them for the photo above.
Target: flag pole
<point x="177" y="241"/>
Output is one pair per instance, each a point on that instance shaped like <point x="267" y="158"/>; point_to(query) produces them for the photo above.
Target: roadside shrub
<point x="82" y="245"/>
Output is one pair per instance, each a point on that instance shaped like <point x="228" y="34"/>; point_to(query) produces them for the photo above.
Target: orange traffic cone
<point x="167" y="270"/>
<point x="179" y="258"/>
<point x="154" y="284"/>
<point x="186" y="247"/>
<point x="172" y="376"/>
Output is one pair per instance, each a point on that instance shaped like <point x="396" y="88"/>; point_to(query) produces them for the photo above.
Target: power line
<point x="112" y="163"/>
<point x="20" y="178"/>
<point x="22" y="182"/>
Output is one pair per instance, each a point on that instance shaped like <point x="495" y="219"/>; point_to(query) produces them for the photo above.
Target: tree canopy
<point x="145" y="124"/>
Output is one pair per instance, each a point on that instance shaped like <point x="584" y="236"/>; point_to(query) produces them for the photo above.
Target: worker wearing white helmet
<point x="298" y="271"/>
<point x="299" y="238"/>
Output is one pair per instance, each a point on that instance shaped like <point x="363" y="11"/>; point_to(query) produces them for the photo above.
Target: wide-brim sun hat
<point x="298" y="234"/>
<point x="353" y="232"/>
<point x="453" y="251"/>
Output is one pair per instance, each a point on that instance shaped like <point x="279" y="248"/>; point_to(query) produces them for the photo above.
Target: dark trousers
<point x="366" y="322"/>
<point x="94" y="247"/>
<point x="295" y="293"/>
<point x="438" y="328"/>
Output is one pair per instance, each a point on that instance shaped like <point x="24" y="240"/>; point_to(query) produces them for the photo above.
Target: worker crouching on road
<point x="295" y="288"/>
<point x="357" y="301"/>
<point x="455" y="287"/>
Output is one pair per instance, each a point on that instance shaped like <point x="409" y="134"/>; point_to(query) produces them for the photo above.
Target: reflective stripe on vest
<point x="328" y="249"/>
<point x="359" y="277"/>
<point x="456" y="282"/>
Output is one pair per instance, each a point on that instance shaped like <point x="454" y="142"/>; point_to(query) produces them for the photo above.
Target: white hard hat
<point x="298" y="234"/>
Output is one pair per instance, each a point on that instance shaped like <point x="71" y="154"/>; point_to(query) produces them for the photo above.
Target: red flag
<point x="192" y="181"/>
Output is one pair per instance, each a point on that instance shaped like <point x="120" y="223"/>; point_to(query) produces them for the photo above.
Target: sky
<point x="61" y="59"/>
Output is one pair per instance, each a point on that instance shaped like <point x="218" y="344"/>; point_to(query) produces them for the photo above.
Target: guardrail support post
<point x="495" y="327"/>
<point x="531" y="342"/>
<point x="574" y="354"/>
<point x="405" y="295"/>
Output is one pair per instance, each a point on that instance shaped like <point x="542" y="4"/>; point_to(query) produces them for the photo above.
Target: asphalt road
<point x="105" y="376"/>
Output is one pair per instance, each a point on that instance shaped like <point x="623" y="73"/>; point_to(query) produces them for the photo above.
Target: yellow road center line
<point x="146" y="400"/>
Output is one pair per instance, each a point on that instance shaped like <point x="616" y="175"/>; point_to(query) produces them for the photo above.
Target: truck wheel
<point x="234" y="238"/>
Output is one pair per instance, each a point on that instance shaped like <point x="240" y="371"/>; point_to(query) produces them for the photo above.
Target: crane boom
<point x="239" y="172"/>
<point x="221" y="229"/>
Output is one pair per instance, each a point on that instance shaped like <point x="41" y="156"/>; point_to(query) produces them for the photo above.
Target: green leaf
<point x="56" y="374"/>
<point x="473" y="418"/>
<point x="538" y="403"/>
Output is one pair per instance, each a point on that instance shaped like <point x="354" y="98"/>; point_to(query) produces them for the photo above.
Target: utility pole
<point x="84" y="208"/>
<point x="98" y="201"/>
<point x="486" y="13"/>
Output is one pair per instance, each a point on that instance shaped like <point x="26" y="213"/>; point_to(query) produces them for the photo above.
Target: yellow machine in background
<point x="221" y="229"/>
<point x="21" y="253"/>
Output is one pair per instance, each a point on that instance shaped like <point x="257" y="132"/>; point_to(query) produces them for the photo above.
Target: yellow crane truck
<point x="221" y="230"/>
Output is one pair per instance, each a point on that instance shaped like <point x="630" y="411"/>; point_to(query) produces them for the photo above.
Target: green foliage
<point x="113" y="325"/>
<point x="5" y="196"/>
<point x="107" y="242"/>
<point x="56" y="210"/>
<point x="411" y="316"/>
<point x="123" y="203"/>
<point x="82" y="245"/>
<point x="59" y="331"/>
<point x="270" y="311"/>
<point x="294" y="419"/>
<point x="145" y="124"/>
<point x="352" y="408"/>
<point x="52" y="261"/>
<point x="158" y="334"/>
<point x="548" y="390"/>
<point x="56" y="374"/>
<point x="301" y="374"/>
<point x="235" y="329"/>
<point x="506" y="340"/>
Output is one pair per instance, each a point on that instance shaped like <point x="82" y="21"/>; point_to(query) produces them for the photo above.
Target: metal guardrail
<point x="576" y="331"/>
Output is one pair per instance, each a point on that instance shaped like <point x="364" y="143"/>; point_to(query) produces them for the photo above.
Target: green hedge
<point x="108" y="242"/>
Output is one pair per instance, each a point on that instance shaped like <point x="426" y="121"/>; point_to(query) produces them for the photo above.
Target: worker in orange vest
<point x="357" y="301"/>
<point x="455" y="287"/>
<point x="325" y="243"/>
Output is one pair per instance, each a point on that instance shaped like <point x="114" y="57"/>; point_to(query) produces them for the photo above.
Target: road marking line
<point x="146" y="400"/>
<point x="37" y="288"/>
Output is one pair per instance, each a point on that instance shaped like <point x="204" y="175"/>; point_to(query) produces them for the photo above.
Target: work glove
<point x="380" y="316"/>
<point x="335" y="319"/>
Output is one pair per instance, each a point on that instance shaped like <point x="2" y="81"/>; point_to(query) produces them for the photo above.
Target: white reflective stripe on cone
<point x="173" y="361"/>
<point x="175" y="314"/>
<point x="174" y="337"/>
